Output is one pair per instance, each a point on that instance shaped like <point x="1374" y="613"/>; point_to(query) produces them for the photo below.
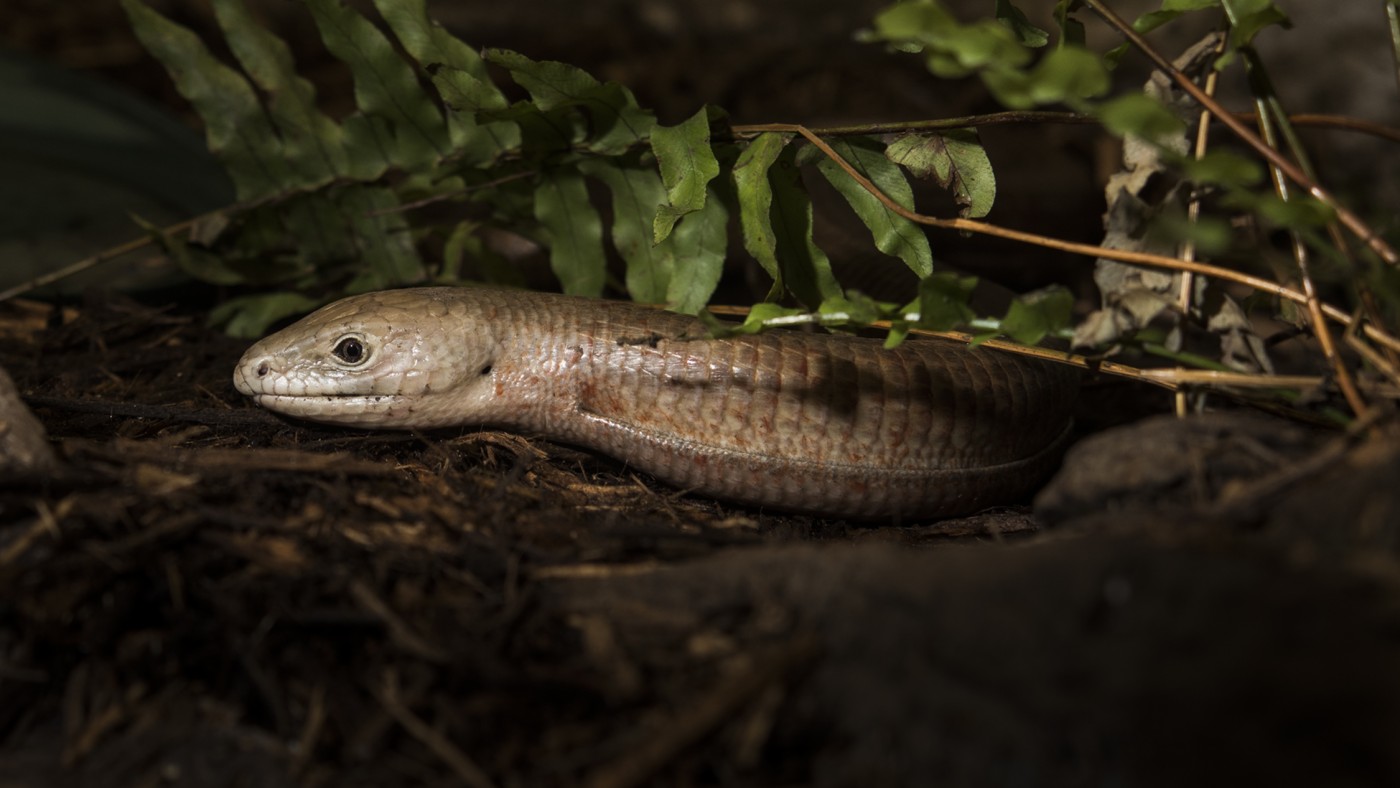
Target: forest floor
<point x="206" y="594"/>
<point x="209" y="594"/>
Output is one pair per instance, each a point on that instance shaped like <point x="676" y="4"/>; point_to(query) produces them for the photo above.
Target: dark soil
<point x="210" y="595"/>
<point x="205" y="594"/>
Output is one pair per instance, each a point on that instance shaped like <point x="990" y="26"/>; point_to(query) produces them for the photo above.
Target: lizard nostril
<point x="263" y="369"/>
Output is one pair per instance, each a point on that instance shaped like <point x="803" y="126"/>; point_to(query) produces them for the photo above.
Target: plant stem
<point x="1269" y="107"/>
<point x="1292" y="171"/>
<point x="1072" y="118"/>
<point x="1121" y="255"/>
<point x="1392" y="14"/>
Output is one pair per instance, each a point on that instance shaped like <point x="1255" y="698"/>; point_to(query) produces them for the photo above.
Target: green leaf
<point x="1171" y="9"/>
<point x="369" y="145"/>
<point x="1114" y="56"/>
<point x="573" y="231"/>
<point x="761" y="313"/>
<point x="1140" y="115"/>
<point x="703" y="241"/>
<point x="248" y="317"/>
<point x="463" y="92"/>
<point x="1071" y="29"/>
<point x="462" y="239"/>
<point x="465" y="244"/>
<point x="1027" y="33"/>
<point x="465" y="97"/>
<point x="347" y="233"/>
<point x="854" y="309"/>
<point x="235" y="126"/>
<point x="1211" y="235"/>
<point x="1067" y="74"/>
<point x="1296" y="213"/>
<point x="806" y="268"/>
<point x="952" y="49"/>
<point x="899" y="331"/>
<point x="313" y="145"/>
<point x="893" y="234"/>
<point x="1035" y="315"/>
<point x="381" y="236"/>
<point x="430" y="43"/>
<point x="540" y="133"/>
<point x="943" y="301"/>
<point x="617" y="121"/>
<point x="266" y="251"/>
<point x="1225" y="168"/>
<point x="956" y="159"/>
<point x="386" y="87"/>
<point x="636" y="193"/>
<point x="755" y="197"/>
<point x="466" y="258"/>
<point x="460" y="76"/>
<point x="1248" y="17"/>
<point x="687" y="164"/>
<point x="192" y="258"/>
<point x="551" y="84"/>
<point x="914" y="23"/>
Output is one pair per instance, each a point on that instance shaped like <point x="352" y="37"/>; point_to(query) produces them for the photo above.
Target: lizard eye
<point x="350" y="350"/>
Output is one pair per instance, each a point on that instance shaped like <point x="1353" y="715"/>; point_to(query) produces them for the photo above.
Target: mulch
<point x="207" y="594"/>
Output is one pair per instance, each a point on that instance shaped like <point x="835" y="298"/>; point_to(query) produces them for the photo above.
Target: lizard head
<point x="399" y="358"/>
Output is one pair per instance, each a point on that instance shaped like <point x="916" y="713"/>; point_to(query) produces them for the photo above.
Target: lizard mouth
<point x="363" y="409"/>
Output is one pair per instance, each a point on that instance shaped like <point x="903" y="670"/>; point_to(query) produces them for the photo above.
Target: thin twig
<point x="1316" y="119"/>
<point x="1172" y="378"/>
<point x="1089" y="250"/>
<point x="1240" y="503"/>
<point x="1321" y="120"/>
<point x="1392" y="15"/>
<point x="939" y="124"/>
<point x="1273" y="122"/>
<point x="1300" y="257"/>
<point x="707" y="712"/>
<point x="1169" y="378"/>
<point x="452" y="195"/>
<point x="1274" y="157"/>
<point x="402" y="633"/>
<point x="1215" y="377"/>
<point x="596" y="571"/>
<point x="88" y="262"/>
<point x="311" y="729"/>
<point x="1384" y="363"/>
<point x="1184" y="297"/>
<point x="1271" y="112"/>
<point x="114" y="252"/>
<point x="461" y="764"/>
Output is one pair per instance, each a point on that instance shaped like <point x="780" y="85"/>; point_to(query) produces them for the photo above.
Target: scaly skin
<point x="829" y="425"/>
